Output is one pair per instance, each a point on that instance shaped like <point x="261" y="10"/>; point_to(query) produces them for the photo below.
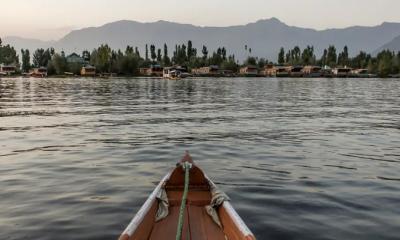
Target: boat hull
<point x="197" y="224"/>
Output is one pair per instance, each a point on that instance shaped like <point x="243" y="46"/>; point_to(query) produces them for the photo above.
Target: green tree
<point x="230" y="64"/>
<point x="166" y="59"/>
<point x="147" y="53"/>
<point x="189" y="50"/>
<point x="262" y="62"/>
<point x="86" y="55"/>
<point x="281" y="56"/>
<point x="137" y="52"/>
<point x="129" y="50"/>
<point x="331" y="57"/>
<point x="296" y="54"/>
<point x="153" y="52"/>
<point x="182" y="54"/>
<point x="159" y="56"/>
<point x="204" y="51"/>
<point x="42" y="57"/>
<point x="360" y="61"/>
<point x="385" y="63"/>
<point x="216" y="58"/>
<point x="398" y="62"/>
<point x="372" y="67"/>
<point x="324" y="59"/>
<point x="101" y="58"/>
<point x="59" y="62"/>
<point x="128" y="64"/>
<point x="8" y="55"/>
<point x="223" y="53"/>
<point x="26" y="60"/>
<point x="251" y="61"/>
<point x="343" y="58"/>
<point x="308" y="56"/>
<point x="1" y="51"/>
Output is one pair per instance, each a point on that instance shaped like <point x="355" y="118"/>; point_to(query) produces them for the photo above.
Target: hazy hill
<point x="393" y="45"/>
<point x="26" y="43"/>
<point x="265" y="37"/>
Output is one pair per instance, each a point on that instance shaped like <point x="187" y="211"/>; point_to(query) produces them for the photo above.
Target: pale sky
<point x="52" y="19"/>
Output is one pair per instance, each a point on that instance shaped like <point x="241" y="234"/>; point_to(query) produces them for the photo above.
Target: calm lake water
<point x="300" y="158"/>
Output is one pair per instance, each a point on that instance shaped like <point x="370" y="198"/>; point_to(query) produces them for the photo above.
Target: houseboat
<point x="212" y="70"/>
<point x="362" y="73"/>
<point x="249" y="71"/>
<point x="7" y="70"/>
<point x="295" y="71"/>
<point x="266" y="70"/>
<point x="312" y="71"/>
<point x="227" y="73"/>
<point x="153" y="71"/>
<point x="88" y="71"/>
<point x="38" y="72"/>
<point x="281" y="71"/>
<point x="326" y="72"/>
<point x="342" y="72"/>
<point x="275" y="71"/>
<point x="174" y="73"/>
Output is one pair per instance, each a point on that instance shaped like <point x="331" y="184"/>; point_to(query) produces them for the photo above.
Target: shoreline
<point x="191" y="77"/>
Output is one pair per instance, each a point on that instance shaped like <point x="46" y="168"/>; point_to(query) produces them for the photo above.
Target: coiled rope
<point x="186" y="167"/>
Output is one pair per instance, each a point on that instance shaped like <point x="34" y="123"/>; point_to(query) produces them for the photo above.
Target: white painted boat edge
<point x="233" y="214"/>
<point x="134" y="224"/>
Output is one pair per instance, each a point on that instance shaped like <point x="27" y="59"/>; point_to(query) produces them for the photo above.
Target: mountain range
<point x="393" y="45"/>
<point x="264" y="37"/>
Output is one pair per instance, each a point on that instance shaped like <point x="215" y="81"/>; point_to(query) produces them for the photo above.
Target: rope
<point x="186" y="167"/>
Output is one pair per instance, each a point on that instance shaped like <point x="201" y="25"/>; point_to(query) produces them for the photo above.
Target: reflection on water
<point x="300" y="159"/>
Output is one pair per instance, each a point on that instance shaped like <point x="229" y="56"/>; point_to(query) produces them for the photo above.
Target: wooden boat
<point x="40" y="72"/>
<point x="196" y="222"/>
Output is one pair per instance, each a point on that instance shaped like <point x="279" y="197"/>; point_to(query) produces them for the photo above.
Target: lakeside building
<point x="75" y="58"/>
<point x="7" y="69"/>
<point x="295" y="71"/>
<point x="153" y="70"/>
<point x="312" y="71"/>
<point x="88" y="71"/>
<point x="250" y="71"/>
<point x="342" y="72"/>
<point x="212" y="70"/>
<point x="38" y="72"/>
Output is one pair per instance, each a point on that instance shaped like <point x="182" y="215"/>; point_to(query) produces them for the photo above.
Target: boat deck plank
<point x="202" y="226"/>
<point x="166" y="228"/>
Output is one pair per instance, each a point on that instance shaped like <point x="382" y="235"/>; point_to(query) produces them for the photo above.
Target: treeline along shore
<point x="104" y="61"/>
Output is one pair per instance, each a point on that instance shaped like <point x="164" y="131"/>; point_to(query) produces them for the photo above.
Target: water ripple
<point x="299" y="158"/>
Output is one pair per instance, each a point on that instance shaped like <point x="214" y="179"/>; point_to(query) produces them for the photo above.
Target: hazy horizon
<point x="26" y="22"/>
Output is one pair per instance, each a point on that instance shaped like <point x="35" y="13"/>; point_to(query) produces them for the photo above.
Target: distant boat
<point x="175" y="73"/>
<point x="40" y="72"/>
<point x="205" y="211"/>
<point x="342" y="72"/>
